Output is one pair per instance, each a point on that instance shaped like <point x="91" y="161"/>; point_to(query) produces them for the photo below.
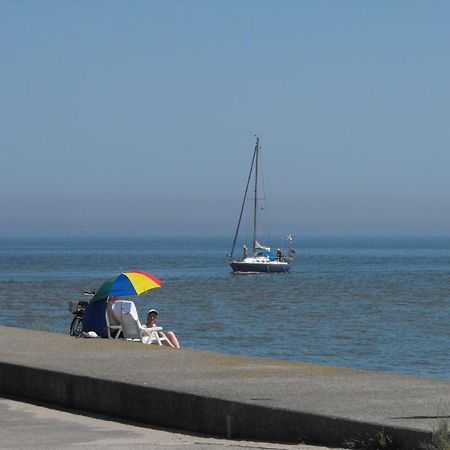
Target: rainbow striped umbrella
<point x="135" y="282"/>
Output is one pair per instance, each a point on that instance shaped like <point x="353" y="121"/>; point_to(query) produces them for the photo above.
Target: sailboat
<point x="262" y="258"/>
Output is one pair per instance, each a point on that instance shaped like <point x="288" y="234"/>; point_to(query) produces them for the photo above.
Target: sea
<point x="376" y="303"/>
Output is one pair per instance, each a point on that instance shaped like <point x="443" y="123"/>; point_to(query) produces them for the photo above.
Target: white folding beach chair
<point x="131" y="326"/>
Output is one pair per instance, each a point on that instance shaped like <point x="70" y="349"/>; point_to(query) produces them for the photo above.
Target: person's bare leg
<point x="173" y="339"/>
<point x="165" y="340"/>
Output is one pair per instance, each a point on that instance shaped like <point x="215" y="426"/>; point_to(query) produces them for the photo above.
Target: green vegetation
<point x="384" y="440"/>
<point x="440" y="439"/>
<point x="381" y="441"/>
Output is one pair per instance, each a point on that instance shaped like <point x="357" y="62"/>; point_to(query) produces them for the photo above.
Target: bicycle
<point x="77" y="308"/>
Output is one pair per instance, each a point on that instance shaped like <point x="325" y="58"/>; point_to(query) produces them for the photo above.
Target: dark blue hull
<point x="239" y="266"/>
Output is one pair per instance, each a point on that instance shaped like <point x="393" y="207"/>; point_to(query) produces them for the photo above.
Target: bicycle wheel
<point x="76" y="327"/>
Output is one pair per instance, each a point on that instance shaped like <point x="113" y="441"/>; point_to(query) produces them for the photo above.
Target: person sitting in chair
<point x="113" y="317"/>
<point x="171" y="340"/>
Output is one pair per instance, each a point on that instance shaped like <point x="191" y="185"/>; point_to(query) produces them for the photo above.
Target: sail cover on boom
<point x="261" y="247"/>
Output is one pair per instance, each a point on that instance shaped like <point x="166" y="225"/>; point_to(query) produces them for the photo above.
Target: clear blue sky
<point x="138" y="117"/>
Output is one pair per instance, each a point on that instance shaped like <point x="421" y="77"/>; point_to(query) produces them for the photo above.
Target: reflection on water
<point x="380" y="304"/>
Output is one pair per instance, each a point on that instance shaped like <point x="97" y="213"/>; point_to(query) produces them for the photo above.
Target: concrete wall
<point x="196" y="413"/>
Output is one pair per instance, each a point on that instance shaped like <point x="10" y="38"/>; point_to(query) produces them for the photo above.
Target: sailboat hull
<point x="261" y="267"/>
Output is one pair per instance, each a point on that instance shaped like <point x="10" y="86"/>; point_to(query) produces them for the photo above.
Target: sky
<point x="138" y="118"/>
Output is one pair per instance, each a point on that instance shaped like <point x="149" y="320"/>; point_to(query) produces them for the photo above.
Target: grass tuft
<point x="440" y="439"/>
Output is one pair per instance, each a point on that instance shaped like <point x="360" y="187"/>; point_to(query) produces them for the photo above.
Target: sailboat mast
<point x="256" y="194"/>
<point x="243" y="203"/>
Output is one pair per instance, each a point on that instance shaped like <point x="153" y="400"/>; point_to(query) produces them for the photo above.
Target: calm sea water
<point x="378" y="304"/>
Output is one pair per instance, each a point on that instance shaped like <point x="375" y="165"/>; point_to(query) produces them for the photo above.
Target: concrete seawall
<point x="218" y="394"/>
